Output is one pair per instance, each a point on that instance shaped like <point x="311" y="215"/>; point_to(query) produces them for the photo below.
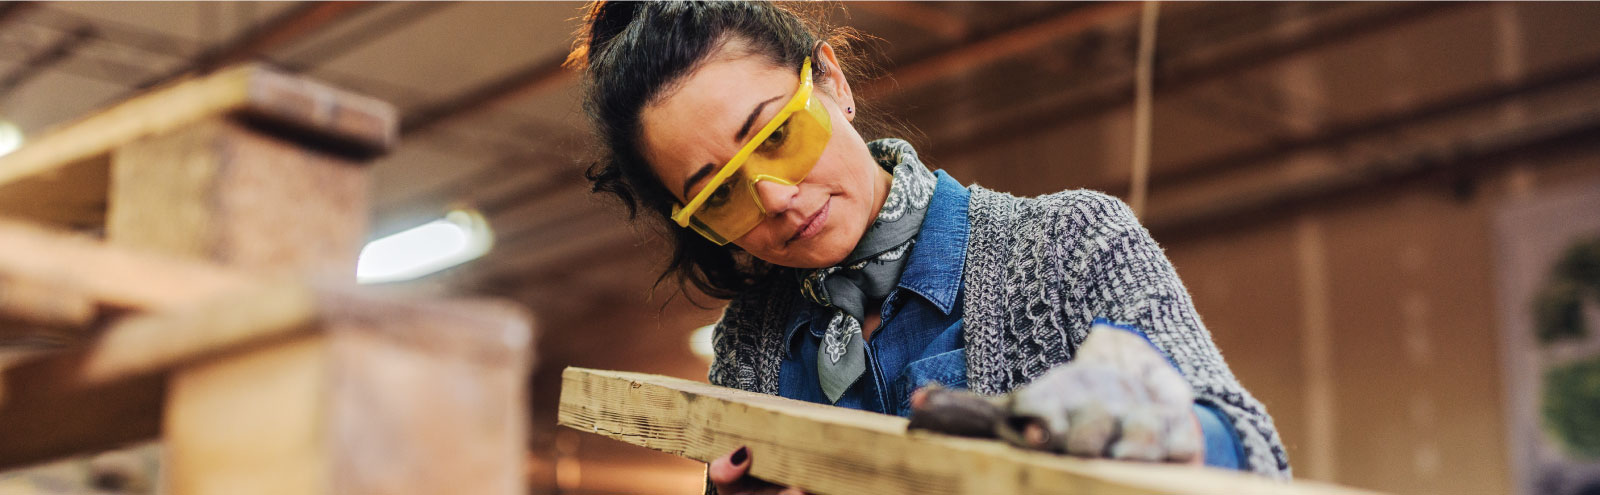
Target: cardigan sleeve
<point x="1134" y="283"/>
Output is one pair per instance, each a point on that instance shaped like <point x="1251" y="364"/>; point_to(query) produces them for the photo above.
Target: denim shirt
<point x="919" y="339"/>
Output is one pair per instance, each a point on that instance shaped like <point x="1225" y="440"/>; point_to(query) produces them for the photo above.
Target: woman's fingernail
<point x="741" y="455"/>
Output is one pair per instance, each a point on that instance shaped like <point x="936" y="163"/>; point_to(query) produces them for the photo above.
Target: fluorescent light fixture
<point x="10" y="137"/>
<point x="459" y="237"/>
<point x="700" y="342"/>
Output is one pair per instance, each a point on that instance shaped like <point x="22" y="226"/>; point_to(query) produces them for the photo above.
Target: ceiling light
<point x="459" y="237"/>
<point x="10" y="137"/>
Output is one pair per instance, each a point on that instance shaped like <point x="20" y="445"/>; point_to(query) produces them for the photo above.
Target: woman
<point x="857" y="276"/>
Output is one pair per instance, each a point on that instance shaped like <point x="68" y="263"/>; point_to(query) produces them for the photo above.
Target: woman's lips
<point x="813" y="225"/>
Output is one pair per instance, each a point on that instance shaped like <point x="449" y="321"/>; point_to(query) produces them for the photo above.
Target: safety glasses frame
<point x="682" y="215"/>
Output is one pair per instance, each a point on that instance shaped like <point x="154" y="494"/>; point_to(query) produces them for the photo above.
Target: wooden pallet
<point x="192" y="251"/>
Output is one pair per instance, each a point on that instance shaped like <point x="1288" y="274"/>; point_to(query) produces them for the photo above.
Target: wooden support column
<point x="286" y="194"/>
<point x="279" y="195"/>
<point x="374" y="398"/>
<point x="413" y="398"/>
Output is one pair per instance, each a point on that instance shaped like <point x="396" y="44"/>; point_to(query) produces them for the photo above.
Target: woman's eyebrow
<point x="695" y="177"/>
<point x="748" y="121"/>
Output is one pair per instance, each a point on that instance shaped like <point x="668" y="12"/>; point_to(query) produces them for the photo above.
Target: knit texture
<point x="1038" y="272"/>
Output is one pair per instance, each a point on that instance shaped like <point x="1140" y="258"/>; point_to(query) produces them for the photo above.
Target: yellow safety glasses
<point x="784" y="151"/>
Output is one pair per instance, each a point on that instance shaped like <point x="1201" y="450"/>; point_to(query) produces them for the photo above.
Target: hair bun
<point x="602" y="22"/>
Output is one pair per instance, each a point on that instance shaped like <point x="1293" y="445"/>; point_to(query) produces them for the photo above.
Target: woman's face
<point x="695" y="127"/>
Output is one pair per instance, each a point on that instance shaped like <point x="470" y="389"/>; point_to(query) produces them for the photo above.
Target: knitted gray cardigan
<point x="1038" y="272"/>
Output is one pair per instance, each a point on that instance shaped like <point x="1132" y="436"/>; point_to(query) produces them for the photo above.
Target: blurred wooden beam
<point x="11" y="10"/>
<point x="541" y="206"/>
<point x="999" y="46"/>
<point x="110" y="277"/>
<point x="405" y="14"/>
<point x="825" y="449"/>
<point x="492" y="189"/>
<point x="32" y="306"/>
<point x="1342" y="134"/>
<point x="560" y="251"/>
<point x="44" y="59"/>
<point x="529" y="79"/>
<point x="1116" y="91"/>
<point x="1251" y="195"/>
<point x="282" y="30"/>
<point x="925" y="16"/>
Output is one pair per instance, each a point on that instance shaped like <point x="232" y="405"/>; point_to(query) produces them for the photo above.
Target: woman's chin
<point x="810" y="255"/>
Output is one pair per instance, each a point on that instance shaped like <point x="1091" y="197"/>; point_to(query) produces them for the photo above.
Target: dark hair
<point x="631" y="53"/>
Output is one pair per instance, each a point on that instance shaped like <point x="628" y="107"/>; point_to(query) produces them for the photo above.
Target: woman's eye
<point x="777" y="137"/>
<point x="720" y="195"/>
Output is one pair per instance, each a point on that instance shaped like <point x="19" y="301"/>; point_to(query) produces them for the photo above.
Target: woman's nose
<point x="775" y="198"/>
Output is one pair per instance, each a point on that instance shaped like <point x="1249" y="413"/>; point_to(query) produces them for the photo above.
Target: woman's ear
<point x="833" y="80"/>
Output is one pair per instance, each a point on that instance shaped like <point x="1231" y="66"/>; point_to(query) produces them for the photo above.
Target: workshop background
<point x="1388" y="214"/>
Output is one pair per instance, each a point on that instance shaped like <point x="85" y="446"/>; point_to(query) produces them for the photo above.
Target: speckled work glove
<point x="1118" y="398"/>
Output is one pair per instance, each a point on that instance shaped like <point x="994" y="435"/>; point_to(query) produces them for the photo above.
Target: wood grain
<point x="830" y="450"/>
<point x="221" y="191"/>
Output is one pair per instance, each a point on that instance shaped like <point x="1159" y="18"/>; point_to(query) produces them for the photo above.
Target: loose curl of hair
<point x="633" y="52"/>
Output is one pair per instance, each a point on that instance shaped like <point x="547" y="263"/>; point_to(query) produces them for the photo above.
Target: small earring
<point x="850" y="110"/>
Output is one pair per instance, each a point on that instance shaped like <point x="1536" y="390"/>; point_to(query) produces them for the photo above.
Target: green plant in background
<point x="1558" y="308"/>
<point x="1572" y="407"/>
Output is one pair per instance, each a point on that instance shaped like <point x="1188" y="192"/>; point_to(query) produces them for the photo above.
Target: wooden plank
<point x="61" y="177"/>
<point x="831" y="450"/>
<point x="32" y="305"/>
<point x="119" y="278"/>
<point x="71" y="195"/>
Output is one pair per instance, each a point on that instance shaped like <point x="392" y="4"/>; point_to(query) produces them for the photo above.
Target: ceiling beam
<point x="999" y="46"/>
<point x="544" y="74"/>
<point x="491" y="189"/>
<point x="559" y="251"/>
<point x="282" y="30"/>
<point x="1116" y="91"/>
<point x="1384" y="123"/>
<point x="10" y="11"/>
<point x="39" y="62"/>
<point x="925" y="16"/>
<point x="404" y="15"/>
<point x="1458" y="164"/>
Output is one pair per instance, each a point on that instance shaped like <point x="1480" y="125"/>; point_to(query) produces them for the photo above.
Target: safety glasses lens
<point x="787" y="156"/>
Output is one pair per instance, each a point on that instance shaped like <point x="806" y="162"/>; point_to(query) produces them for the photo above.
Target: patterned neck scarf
<point x="872" y="269"/>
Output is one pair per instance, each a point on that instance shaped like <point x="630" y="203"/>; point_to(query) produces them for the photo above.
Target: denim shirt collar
<point x="934" y="270"/>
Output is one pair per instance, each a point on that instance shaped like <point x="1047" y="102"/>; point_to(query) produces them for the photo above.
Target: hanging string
<point x="1144" y="74"/>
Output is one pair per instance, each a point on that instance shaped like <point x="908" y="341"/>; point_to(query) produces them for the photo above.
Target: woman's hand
<point x="729" y="475"/>
<point x="1118" y="398"/>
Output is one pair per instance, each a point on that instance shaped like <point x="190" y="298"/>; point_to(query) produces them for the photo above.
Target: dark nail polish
<point x="741" y="455"/>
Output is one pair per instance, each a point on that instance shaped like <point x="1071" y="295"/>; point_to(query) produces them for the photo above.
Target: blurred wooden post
<point x="275" y="181"/>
